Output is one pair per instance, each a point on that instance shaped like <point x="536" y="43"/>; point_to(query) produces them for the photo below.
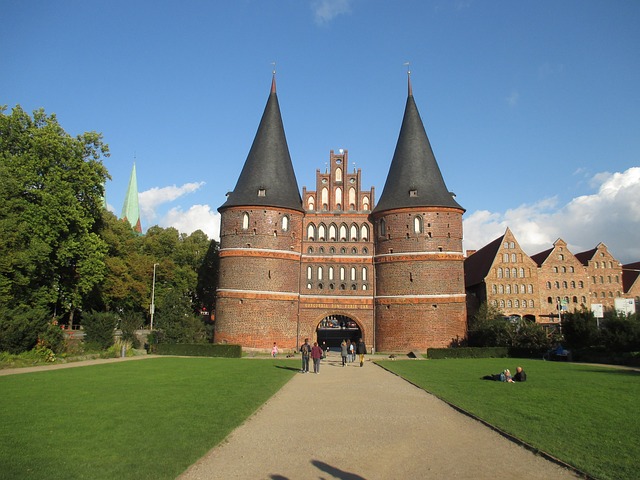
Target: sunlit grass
<point x="148" y="419"/>
<point x="585" y="415"/>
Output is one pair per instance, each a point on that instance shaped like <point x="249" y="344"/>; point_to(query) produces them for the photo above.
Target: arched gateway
<point x="333" y="329"/>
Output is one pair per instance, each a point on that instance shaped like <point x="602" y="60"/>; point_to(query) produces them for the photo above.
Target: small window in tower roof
<point x="413" y="192"/>
<point x="262" y="192"/>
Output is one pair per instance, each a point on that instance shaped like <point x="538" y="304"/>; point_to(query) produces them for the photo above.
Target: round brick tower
<point x="419" y="262"/>
<point x="260" y="244"/>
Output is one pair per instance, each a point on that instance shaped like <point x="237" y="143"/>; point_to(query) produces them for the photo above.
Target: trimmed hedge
<point x="483" y="352"/>
<point x="198" y="350"/>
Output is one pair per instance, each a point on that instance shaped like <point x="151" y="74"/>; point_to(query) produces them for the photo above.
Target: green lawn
<point x="587" y="416"/>
<point x="147" y="419"/>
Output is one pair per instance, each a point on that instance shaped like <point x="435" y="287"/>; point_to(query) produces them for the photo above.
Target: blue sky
<point x="532" y="108"/>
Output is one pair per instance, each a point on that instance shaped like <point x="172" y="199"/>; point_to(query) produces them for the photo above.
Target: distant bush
<point x="198" y="350"/>
<point x="99" y="328"/>
<point x="21" y="328"/>
<point x="468" y="352"/>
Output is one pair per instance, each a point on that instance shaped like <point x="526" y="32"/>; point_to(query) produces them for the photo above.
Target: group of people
<point x="505" y="376"/>
<point x="348" y="351"/>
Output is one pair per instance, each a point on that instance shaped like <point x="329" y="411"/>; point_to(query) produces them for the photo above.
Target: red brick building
<point x="331" y="264"/>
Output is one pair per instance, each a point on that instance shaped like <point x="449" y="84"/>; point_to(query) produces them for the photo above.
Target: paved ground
<point x="357" y="423"/>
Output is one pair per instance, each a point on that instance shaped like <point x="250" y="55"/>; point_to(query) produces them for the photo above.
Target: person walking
<point x="352" y="352"/>
<point x="305" y="350"/>
<point x="361" y="349"/>
<point x="274" y="350"/>
<point x="316" y="355"/>
<point x="344" y="352"/>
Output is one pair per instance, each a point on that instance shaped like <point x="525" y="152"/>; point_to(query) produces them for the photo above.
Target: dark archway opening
<point x="333" y="329"/>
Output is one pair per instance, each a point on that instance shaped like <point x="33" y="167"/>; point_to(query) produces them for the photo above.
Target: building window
<point x="353" y="232"/>
<point x="364" y="233"/>
<point x="500" y="288"/>
<point x="521" y="272"/>
<point x="494" y="289"/>
<point x="507" y="289"/>
<point x="580" y="284"/>
<point x="309" y="273"/>
<point x="513" y="258"/>
<point x="285" y="223"/>
<point x="343" y="233"/>
<point x="262" y="192"/>
<point x="330" y="273"/>
<point x="500" y="273"/>
<point x="383" y="228"/>
<point x="311" y="203"/>
<point x="512" y="245"/>
<point x="319" y="273"/>
<point x="549" y="285"/>
<point x="310" y="250"/>
<point x="530" y="288"/>
<point x="342" y="274"/>
<point x="505" y="258"/>
<point x="561" y="257"/>
<point x="364" y="274"/>
<point x="555" y="269"/>
<point x="311" y="231"/>
<point x="417" y="224"/>
<point x="322" y="232"/>
<point x="507" y="273"/>
<point x="338" y="174"/>
<point x="516" y="303"/>
<point x="353" y="274"/>
<point x="365" y="203"/>
<point x="572" y="270"/>
<point x="508" y="303"/>
<point x="245" y="221"/>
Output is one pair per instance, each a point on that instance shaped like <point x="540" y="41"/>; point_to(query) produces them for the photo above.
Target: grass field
<point x="148" y="419"/>
<point x="587" y="416"/>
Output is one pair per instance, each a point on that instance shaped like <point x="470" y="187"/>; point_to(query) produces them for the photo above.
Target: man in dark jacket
<point x="361" y="349"/>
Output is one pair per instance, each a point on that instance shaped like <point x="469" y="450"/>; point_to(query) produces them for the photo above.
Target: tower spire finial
<point x="410" y="90"/>
<point x="273" y="79"/>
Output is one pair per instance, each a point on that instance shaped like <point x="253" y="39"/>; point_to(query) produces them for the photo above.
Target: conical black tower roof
<point x="267" y="178"/>
<point x="414" y="178"/>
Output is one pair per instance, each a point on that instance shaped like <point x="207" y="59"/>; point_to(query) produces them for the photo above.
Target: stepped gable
<point x="267" y="178"/>
<point x="477" y="266"/>
<point x="414" y="178"/>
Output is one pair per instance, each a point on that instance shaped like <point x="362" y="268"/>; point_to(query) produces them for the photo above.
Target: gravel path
<point x="355" y="423"/>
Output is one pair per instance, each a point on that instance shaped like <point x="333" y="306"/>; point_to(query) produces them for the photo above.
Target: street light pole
<point x="152" y="308"/>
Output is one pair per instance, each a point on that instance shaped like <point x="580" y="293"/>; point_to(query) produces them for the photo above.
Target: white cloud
<point x="327" y="10"/>
<point x="151" y="199"/>
<point x="611" y="215"/>
<point x="198" y="217"/>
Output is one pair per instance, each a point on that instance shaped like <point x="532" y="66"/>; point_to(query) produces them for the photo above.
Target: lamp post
<point x="152" y="308"/>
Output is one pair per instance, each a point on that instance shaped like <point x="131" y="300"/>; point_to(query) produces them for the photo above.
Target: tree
<point x="51" y="190"/>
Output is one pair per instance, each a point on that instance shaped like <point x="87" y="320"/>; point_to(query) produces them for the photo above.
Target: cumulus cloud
<point x="198" y="217"/>
<point x="151" y="199"/>
<point x="611" y="215"/>
<point x="326" y="10"/>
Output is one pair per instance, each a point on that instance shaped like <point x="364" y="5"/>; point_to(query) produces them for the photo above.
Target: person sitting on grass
<point x="520" y="375"/>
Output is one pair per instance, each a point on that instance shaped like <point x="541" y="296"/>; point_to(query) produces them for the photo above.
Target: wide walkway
<point x="357" y="423"/>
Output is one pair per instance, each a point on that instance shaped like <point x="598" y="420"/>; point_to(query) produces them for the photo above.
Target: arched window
<point x="521" y="272"/>
<point x="573" y="284"/>
<point x="494" y="289"/>
<point x="311" y="203"/>
<point x="417" y="224"/>
<point x="353" y="274"/>
<point x="516" y="303"/>
<point x="530" y="288"/>
<point x="343" y="232"/>
<point x="549" y="285"/>
<point x="507" y="273"/>
<point x="555" y="269"/>
<point x="572" y="270"/>
<point x="325" y="198"/>
<point x="531" y="304"/>
<point x="338" y="174"/>
<point x="580" y="284"/>
<point x="333" y="232"/>
<point x="507" y="289"/>
<point x="245" y="221"/>
<point x="285" y="223"/>
<point x="338" y="198"/>
<point x="564" y="284"/>
<point x="322" y="232"/>
<point x="364" y="274"/>
<point x="365" y="203"/>
<point x="383" y="228"/>
<point x="364" y="232"/>
<point x="505" y="258"/>
<point x="353" y="232"/>
<point x="513" y="258"/>
<point x="500" y="273"/>
<point x="514" y="273"/>
<point x="319" y="273"/>
<point x="352" y="198"/>
<point x="508" y="303"/>
<point x="311" y="231"/>
<point x="341" y="273"/>
<point x="501" y="303"/>
<point x="500" y="288"/>
<point x="330" y="273"/>
<point x="309" y="273"/>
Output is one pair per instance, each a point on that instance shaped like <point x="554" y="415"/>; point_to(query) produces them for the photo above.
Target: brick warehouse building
<point x="331" y="264"/>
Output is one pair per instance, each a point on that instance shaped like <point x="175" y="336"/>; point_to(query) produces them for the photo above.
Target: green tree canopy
<point x="51" y="191"/>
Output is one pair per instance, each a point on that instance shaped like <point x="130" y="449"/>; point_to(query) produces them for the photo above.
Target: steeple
<point x="267" y="178"/>
<point x="130" y="209"/>
<point x="414" y="178"/>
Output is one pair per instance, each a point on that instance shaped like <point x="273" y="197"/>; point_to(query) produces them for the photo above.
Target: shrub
<point x="99" y="328"/>
<point x="199" y="350"/>
<point x="468" y="352"/>
<point x="129" y="323"/>
<point x="21" y="327"/>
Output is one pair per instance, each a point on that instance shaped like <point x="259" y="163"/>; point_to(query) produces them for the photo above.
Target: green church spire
<point x="130" y="209"/>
